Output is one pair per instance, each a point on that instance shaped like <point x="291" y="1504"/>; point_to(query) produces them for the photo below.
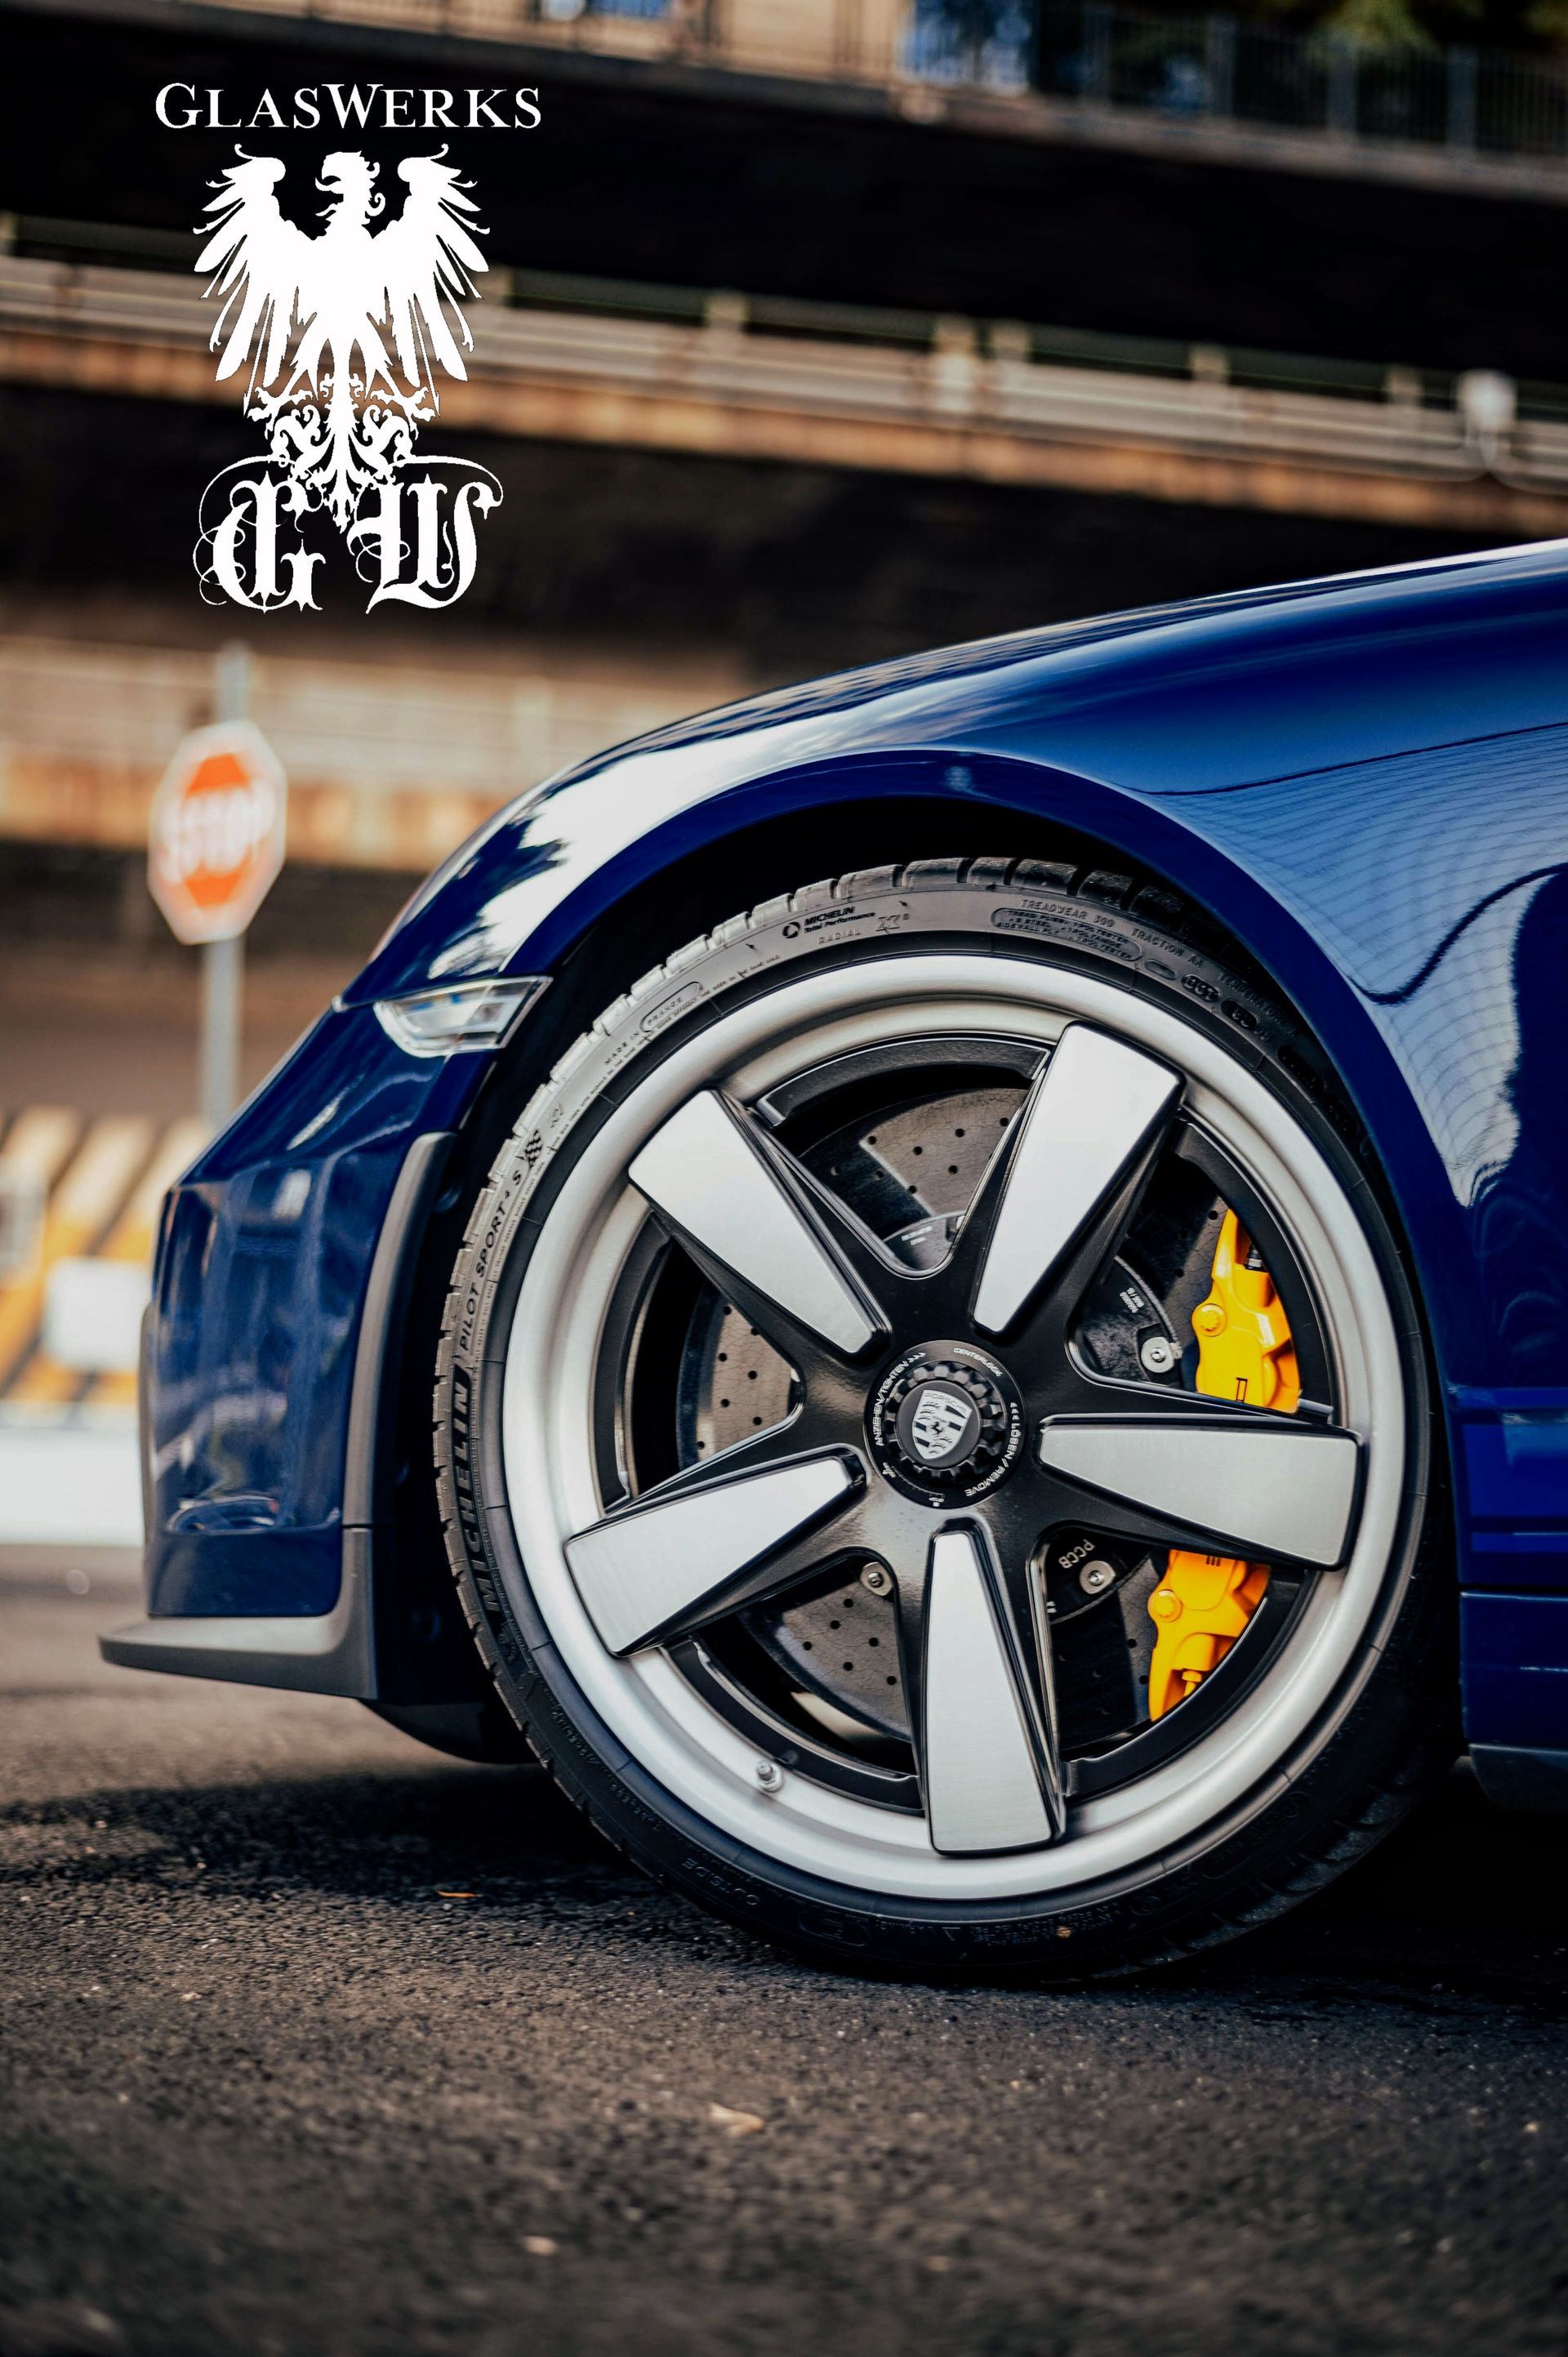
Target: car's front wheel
<point x="933" y="1435"/>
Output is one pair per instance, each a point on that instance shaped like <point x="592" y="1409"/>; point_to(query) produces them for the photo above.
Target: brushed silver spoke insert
<point x="1093" y="1110"/>
<point x="984" y="1788"/>
<point x="721" y="1184"/>
<point x="1279" y="1491"/>
<point x="645" y="1571"/>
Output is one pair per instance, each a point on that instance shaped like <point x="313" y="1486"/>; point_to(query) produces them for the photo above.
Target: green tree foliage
<point x="1385" y="27"/>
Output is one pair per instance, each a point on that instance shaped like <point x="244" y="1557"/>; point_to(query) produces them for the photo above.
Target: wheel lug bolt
<point x="1157" y="1355"/>
<point x="879" y="1581"/>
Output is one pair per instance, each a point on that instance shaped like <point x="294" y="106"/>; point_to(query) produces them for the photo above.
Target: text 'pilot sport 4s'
<point x="989" y="1244"/>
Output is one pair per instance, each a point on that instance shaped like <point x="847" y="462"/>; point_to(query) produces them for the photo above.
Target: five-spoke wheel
<point x="942" y="1424"/>
<point x="932" y="1447"/>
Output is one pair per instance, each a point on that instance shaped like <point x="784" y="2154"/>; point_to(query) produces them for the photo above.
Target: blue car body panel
<point x="263" y="1256"/>
<point x="1366" y="780"/>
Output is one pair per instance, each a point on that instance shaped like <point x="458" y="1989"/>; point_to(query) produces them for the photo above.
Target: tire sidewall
<point x="1250" y="1861"/>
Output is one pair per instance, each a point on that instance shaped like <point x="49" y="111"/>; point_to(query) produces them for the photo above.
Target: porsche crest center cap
<point x="939" y="1425"/>
<point x="946" y="1424"/>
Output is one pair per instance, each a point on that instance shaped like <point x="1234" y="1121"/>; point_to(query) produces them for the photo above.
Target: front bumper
<point x="285" y="1264"/>
<point x="331" y="1652"/>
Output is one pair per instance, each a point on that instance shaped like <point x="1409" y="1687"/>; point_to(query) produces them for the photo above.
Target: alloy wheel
<point x="974" y="1439"/>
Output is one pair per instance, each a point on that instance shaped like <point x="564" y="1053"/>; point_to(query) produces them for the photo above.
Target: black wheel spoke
<point x="1074" y="1390"/>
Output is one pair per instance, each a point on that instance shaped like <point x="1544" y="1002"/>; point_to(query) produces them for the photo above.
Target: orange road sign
<point x="217" y="832"/>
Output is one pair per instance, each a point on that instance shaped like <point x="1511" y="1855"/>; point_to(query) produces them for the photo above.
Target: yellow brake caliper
<point x="1244" y="1352"/>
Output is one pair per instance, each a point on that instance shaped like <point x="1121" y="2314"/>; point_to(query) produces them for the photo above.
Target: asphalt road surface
<point x="314" y="2041"/>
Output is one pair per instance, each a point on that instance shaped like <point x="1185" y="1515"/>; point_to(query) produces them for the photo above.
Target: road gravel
<point x="315" y="2041"/>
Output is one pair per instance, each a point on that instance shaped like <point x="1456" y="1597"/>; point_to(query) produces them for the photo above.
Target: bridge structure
<point x="719" y="374"/>
<point x="815" y="330"/>
<point x="792" y="304"/>
<point x="1203" y="85"/>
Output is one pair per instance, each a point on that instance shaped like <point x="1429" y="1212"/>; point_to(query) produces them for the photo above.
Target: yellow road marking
<point x="85" y="1200"/>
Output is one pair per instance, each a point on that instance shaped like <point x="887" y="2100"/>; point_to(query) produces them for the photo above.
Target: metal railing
<point x="1460" y="102"/>
<point x="139" y="258"/>
<point x="1214" y="68"/>
<point x="831" y="360"/>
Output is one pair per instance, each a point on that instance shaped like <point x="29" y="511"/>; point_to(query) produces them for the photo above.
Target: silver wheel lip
<point x="547" y="1432"/>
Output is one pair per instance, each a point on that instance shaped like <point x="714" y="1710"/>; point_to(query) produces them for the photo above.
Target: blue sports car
<point x="948" y="1291"/>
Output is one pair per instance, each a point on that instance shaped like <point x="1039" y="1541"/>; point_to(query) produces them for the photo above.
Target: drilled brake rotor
<point x="910" y="1175"/>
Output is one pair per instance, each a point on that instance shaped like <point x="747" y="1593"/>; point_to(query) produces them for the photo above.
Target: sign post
<point x="216" y="844"/>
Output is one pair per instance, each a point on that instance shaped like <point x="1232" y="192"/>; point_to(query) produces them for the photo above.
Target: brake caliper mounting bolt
<point x="1096" y="1575"/>
<point x="879" y="1581"/>
<point x="769" y="1775"/>
<point x="1157" y="1355"/>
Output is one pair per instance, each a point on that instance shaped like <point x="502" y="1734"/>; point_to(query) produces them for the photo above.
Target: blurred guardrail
<point x="1461" y="103"/>
<point x="79" y="1207"/>
<point x="818" y="384"/>
<point x="74" y="1280"/>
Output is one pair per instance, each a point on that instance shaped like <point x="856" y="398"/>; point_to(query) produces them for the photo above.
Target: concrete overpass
<point x="983" y="402"/>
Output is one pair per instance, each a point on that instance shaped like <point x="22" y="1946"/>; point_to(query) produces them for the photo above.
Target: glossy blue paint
<point x="1515" y="1654"/>
<point x="1511" y="1466"/>
<point x="263" y="1253"/>
<point x="1367" y="779"/>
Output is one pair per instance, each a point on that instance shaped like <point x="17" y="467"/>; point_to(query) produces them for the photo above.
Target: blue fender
<point x="1365" y="780"/>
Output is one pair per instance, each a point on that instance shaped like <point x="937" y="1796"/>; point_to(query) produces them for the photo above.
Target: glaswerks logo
<point x="343" y="333"/>
<point x="365" y="106"/>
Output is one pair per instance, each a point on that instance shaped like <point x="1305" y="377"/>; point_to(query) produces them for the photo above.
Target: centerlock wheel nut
<point x="946" y="1424"/>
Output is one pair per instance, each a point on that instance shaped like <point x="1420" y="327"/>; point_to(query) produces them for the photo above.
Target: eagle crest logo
<point x="343" y="335"/>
